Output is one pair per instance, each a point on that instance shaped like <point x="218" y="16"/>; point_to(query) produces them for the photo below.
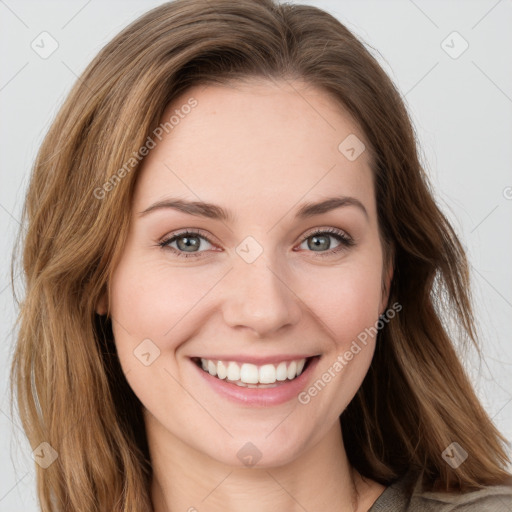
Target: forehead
<point x="244" y="143"/>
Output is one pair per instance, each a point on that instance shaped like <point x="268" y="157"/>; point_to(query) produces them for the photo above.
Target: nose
<point x="258" y="297"/>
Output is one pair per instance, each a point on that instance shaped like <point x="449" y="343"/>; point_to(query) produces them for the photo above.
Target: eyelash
<point x="345" y="241"/>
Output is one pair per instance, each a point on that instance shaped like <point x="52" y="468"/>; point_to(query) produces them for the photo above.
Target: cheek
<point x="348" y="300"/>
<point x="348" y="307"/>
<point x="152" y="300"/>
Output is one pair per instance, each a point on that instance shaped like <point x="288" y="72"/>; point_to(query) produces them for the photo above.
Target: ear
<point x="102" y="304"/>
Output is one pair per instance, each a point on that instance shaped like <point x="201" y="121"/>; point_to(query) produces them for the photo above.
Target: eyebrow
<point x="213" y="211"/>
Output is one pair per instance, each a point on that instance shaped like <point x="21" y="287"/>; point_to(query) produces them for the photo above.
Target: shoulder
<point x="493" y="499"/>
<point x="407" y="495"/>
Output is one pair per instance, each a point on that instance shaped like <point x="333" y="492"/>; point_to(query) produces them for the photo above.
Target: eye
<point x="320" y="241"/>
<point x="187" y="243"/>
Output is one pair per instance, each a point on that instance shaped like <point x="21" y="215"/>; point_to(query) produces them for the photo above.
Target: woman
<point x="235" y="274"/>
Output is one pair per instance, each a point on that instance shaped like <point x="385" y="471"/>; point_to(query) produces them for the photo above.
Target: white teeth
<point x="233" y="371"/>
<point x="212" y="368"/>
<point x="222" y="371"/>
<point x="281" y="372"/>
<point x="292" y="370"/>
<point x="267" y="374"/>
<point x="250" y="375"/>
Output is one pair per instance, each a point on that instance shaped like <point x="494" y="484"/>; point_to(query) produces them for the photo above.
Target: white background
<point x="461" y="109"/>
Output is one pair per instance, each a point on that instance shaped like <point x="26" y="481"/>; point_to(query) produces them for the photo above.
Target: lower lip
<point x="260" y="397"/>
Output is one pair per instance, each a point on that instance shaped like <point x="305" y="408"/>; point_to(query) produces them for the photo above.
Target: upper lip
<point x="257" y="360"/>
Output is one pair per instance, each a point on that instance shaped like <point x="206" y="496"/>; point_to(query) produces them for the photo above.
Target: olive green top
<point x="407" y="495"/>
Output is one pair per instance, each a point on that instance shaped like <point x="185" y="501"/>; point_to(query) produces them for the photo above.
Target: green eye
<point x="187" y="243"/>
<point x="319" y="241"/>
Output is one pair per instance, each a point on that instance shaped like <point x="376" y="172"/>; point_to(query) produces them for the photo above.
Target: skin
<point x="260" y="149"/>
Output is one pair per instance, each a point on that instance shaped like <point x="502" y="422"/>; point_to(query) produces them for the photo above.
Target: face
<point x="272" y="282"/>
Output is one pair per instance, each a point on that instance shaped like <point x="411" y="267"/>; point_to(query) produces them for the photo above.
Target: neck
<point x="319" y="479"/>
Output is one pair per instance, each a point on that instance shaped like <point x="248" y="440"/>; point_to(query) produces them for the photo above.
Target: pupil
<point x="189" y="243"/>
<point x="320" y="241"/>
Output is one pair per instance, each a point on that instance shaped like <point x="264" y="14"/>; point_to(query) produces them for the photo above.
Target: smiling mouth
<point x="249" y="375"/>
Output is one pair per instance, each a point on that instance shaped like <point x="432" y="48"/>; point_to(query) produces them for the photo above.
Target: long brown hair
<point x="70" y="389"/>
